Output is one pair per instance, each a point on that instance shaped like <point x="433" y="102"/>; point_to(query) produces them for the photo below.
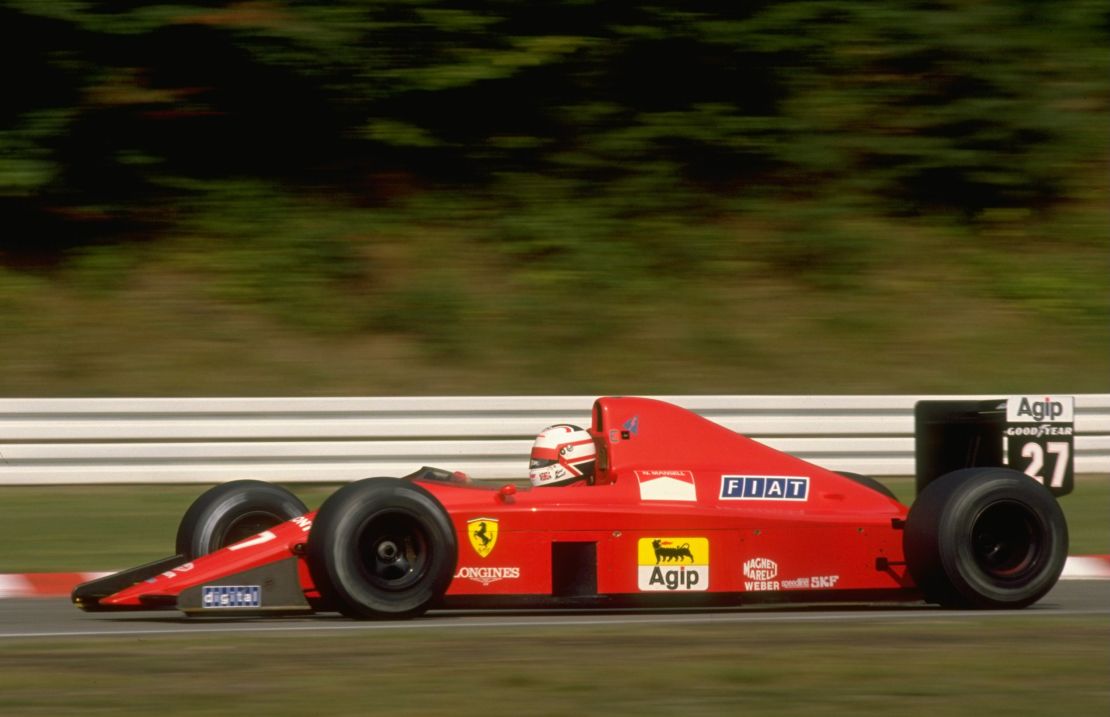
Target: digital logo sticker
<point x="483" y="535"/>
<point x="231" y="596"/>
<point x="673" y="564"/>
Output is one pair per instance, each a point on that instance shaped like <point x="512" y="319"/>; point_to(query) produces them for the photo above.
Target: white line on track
<point x="935" y="615"/>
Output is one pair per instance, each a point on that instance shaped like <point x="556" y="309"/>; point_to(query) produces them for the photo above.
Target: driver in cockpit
<point x="561" y="455"/>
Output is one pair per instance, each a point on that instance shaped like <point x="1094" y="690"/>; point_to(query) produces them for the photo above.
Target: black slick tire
<point x="382" y="548"/>
<point x="230" y="512"/>
<point x="985" y="538"/>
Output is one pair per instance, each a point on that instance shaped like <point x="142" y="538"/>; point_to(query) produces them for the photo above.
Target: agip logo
<point x="1035" y="409"/>
<point x="483" y="535"/>
<point x="673" y="564"/>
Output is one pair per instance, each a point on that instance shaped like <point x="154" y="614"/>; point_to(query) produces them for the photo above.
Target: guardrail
<point x="202" y="440"/>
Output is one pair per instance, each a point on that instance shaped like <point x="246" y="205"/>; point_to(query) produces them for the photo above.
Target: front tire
<point x="985" y="538"/>
<point x="231" y="512"/>
<point x="382" y="548"/>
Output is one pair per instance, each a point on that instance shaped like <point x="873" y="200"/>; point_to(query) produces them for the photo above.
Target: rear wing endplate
<point x="1032" y="434"/>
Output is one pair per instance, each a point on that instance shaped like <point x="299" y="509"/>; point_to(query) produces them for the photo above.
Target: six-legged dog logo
<point x="666" y="553"/>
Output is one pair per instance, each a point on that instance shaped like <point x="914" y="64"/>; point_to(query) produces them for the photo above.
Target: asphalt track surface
<point x="58" y="619"/>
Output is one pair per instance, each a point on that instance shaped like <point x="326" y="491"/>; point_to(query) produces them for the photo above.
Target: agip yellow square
<point x="673" y="564"/>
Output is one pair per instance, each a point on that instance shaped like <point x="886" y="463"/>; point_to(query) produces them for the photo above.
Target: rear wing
<point x="1032" y="434"/>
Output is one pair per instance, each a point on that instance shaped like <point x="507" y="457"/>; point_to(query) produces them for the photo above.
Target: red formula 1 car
<point x="681" y="512"/>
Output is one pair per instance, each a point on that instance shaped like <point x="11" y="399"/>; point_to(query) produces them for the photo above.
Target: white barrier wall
<point x="195" y="440"/>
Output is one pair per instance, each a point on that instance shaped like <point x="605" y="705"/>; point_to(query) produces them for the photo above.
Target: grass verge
<point x="1012" y="666"/>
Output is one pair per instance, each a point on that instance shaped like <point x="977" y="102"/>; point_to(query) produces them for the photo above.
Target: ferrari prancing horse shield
<point x="483" y="534"/>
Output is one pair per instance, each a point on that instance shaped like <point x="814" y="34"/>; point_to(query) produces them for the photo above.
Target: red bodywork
<point x="681" y="507"/>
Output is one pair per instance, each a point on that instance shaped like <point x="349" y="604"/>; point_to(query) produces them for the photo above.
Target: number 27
<point x="1035" y="453"/>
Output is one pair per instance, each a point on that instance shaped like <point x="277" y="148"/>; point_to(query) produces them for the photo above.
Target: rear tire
<point x="231" y="512"/>
<point x="382" y="548"/>
<point x="985" y="538"/>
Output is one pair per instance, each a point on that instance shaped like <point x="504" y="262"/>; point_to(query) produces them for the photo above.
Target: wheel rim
<point x="1006" y="540"/>
<point x="247" y="525"/>
<point x="393" y="550"/>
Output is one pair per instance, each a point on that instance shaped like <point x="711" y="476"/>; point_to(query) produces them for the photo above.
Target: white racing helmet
<point x="562" y="454"/>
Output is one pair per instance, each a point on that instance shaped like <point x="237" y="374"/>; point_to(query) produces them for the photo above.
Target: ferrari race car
<point x="681" y="512"/>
